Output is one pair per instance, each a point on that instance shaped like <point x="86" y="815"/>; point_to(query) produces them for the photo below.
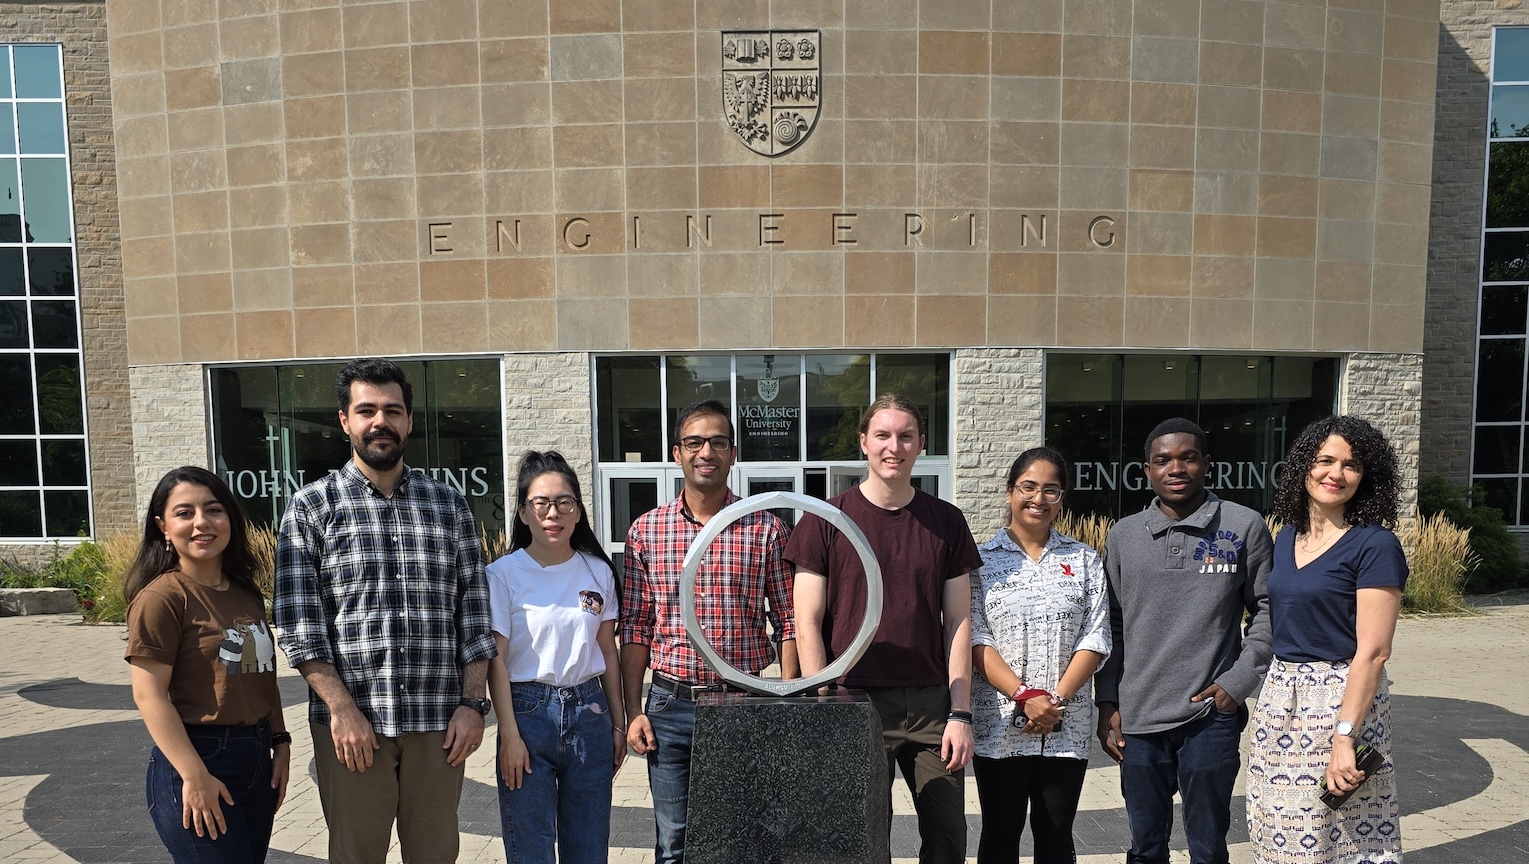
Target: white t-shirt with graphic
<point x="551" y="616"/>
<point x="1037" y="614"/>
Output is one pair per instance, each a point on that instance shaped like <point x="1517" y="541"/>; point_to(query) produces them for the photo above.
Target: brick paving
<point x="72" y="751"/>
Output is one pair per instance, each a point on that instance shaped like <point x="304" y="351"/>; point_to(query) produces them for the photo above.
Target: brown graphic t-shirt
<point x="219" y="647"/>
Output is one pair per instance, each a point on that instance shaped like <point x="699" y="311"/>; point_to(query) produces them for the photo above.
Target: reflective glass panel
<point x="16" y="396"/>
<point x="1505" y="257"/>
<point x="924" y="379"/>
<point x="53" y="324"/>
<point x="769" y="407"/>
<point x="18" y="462"/>
<point x="41" y="125"/>
<point x="1500" y="380"/>
<point x="1502" y="493"/>
<point x="13" y="324"/>
<point x="1508" y="185"/>
<point x="10" y="203"/>
<point x="20" y="514"/>
<point x="45" y="191"/>
<point x="1510" y="56"/>
<point x="1510" y="112"/>
<point x="695" y="378"/>
<point x="629" y="409"/>
<point x="838" y="391"/>
<point x="465" y="431"/>
<point x="68" y="513"/>
<point x="5" y="71"/>
<point x="1496" y="450"/>
<point x="38" y="75"/>
<point x="63" y="462"/>
<point x="8" y="128"/>
<point x="51" y="272"/>
<point x="1504" y="309"/>
<point x="12" y="278"/>
<point x="1083" y="422"/>
<point x="58" y="394"/>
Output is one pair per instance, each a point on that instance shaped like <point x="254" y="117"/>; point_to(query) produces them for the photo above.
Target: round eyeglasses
<point x="1048" y="494"/>
<point x="542" y="506"/>
<point x="694" y="443"/>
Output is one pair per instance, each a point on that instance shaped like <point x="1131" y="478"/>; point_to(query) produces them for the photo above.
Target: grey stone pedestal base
<point x="37" y="601"/>
<point x="799" y="780"/>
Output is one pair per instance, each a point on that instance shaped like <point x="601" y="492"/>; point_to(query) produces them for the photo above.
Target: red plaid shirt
<point x="742" y="568"/>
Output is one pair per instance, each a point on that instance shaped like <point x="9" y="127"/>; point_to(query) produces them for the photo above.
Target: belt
<point x="684" y="691"/>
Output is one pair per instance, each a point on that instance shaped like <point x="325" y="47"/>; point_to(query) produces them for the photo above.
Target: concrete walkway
<point x="72" y="751"/>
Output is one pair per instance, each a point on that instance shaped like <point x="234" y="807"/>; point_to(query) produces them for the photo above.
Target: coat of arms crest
<point x="771" y="87"/>
<point x="768" y="389"/>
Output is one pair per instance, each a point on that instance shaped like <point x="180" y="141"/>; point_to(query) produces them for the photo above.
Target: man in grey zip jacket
<point x="1183" y="574"/>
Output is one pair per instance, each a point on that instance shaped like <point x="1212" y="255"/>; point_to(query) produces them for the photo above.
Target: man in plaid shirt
<point x="382" y="605"/>
<point x="742" y="570"/>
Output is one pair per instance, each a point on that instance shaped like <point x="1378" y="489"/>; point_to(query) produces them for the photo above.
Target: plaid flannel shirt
<point x="389" y="590"/>
<point x="742" y="568"/>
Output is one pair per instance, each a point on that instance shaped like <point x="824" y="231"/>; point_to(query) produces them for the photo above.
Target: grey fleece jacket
<point x="1178" y="593"/>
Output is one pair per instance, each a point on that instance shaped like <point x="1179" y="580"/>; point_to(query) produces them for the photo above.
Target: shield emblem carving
<point x="771" y="87"/>
<point x="768" y="388"/>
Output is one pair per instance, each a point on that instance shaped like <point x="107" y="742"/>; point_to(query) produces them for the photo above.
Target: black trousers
<point x="1048" y="787"/>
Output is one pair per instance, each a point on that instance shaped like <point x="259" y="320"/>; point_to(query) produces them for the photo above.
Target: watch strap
<point x="479" y="705"/>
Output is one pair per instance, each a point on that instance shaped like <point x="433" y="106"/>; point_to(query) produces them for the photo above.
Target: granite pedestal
<point x="787" y="780"/>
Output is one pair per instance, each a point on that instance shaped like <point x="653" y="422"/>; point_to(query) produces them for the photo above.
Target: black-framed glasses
<point x="719" y="443"/>
<point x="1049" y="494"/>
<point x="565" y="504"/>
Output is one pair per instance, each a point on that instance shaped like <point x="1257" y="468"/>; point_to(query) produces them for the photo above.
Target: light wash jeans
<point x="673" y="720"/>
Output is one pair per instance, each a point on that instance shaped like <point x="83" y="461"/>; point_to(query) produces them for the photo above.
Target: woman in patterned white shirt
<point x="1040" y="627"/>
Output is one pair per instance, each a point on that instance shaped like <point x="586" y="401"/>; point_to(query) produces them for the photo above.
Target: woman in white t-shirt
<point x="555" y="684"/>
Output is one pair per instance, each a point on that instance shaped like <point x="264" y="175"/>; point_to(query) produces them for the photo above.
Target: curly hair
<point x="1376" y="500"/>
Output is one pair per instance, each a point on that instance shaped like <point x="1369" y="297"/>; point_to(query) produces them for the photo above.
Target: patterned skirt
<point x="1292" y="738"/>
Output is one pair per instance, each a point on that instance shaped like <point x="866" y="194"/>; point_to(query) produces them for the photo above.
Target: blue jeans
<point x="1200" y="761"/>
<point x="240" y="756"/>
<point x="673" y="720"/>
<point x="566" y="799"/>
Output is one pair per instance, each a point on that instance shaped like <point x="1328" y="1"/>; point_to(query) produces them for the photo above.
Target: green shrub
<point x="1501" y="565"/>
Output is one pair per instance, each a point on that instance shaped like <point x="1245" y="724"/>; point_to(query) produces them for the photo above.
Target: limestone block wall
<point x="81" y="29"/>
<point x="169" y="420"/>
<point x="1385" y="389"/>
<point x="1454" y="245"/>
<point x="548" y="406"/>
<point x="1000" y="408"/>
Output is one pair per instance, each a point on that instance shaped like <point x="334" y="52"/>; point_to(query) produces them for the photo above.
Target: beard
<point x="383" y="458"/>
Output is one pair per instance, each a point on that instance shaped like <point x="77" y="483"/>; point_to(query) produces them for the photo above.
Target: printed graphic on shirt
<point x="248" y="648"/>
<point x="1219" y="554"/>
<point x="591" y="602"/>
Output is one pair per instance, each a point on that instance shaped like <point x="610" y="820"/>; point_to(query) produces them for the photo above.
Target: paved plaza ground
<point x="72" y="753"/>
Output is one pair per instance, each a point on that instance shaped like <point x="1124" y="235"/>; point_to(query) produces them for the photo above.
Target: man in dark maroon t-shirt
<point x="918" y="669"/>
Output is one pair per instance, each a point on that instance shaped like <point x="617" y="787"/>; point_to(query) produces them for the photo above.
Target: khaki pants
<point x="409" y="780"/>
<point x="912" y="724"/>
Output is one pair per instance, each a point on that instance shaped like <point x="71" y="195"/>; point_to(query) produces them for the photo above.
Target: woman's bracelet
<point x="960" y="717"/>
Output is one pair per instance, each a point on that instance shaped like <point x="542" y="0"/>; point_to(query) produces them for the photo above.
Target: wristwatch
<point x="478" y="705"/>
<point x="1344" y="728"/>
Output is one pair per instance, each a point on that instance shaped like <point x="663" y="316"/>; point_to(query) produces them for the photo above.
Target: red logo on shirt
<point x="1067" y="570"/>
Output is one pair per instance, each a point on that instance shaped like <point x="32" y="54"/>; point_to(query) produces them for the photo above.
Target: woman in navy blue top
<point x="1334" y="595"/>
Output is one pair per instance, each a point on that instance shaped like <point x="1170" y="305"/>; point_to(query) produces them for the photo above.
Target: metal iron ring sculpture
<point x="807" y="504"/>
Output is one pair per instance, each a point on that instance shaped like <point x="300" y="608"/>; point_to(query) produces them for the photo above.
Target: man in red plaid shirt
<point x="743" y="580"/>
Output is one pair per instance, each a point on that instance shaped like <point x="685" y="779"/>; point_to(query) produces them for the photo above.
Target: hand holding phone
<point x="1368" y="760"/>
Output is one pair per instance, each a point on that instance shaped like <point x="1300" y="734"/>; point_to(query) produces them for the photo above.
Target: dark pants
<point x="1048" y="786"/>
<point x="912" y="724"/>
<point x="1198" y="760"/>
<point x="240" y="757"/>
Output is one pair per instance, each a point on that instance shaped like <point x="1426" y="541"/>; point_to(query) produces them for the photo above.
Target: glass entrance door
<point x="627" y="493"/>
<point x="757" y="481"/>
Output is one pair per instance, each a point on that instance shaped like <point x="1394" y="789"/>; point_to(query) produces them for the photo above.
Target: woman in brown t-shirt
<point x="204" y="675"/>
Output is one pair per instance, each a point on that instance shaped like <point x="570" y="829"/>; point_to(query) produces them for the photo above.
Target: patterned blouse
<point x="1036" y="614"/>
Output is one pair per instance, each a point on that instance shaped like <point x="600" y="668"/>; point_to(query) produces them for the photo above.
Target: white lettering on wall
<point x="1110" y="476"/>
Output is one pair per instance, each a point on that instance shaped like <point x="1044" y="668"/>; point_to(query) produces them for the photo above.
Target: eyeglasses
<point x="1049" y="494"/>
<point x="543" y="506"/>
<point x="719" y="443"/>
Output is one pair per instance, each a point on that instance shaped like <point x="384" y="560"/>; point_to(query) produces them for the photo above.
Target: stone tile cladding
<point x="169" y="419"/>
<point x="1454" y="246"/>
<point x="81" y="29"/>
<point x="547" y="406"/>
<point x="1000" y="408"/>
<point x="320" y="179"/>
<point x="1385" y="390"/>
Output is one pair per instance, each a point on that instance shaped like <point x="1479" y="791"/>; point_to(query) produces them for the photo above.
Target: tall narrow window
<point x="44" y="473"/>
<point x="1497" y="447"/>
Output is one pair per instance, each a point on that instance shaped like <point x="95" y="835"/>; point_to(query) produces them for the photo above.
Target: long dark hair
<point x="1030" y="457"/>
<point x="1375" y="502"/>
<point x="154" y="559"/>
<point x="533" y="465"/>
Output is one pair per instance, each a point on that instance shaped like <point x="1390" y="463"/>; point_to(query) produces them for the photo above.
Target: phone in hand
<point x="1368" y="760"/>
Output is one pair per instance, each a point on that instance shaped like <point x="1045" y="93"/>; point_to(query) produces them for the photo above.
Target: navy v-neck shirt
<point x="1312" y="608"/>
